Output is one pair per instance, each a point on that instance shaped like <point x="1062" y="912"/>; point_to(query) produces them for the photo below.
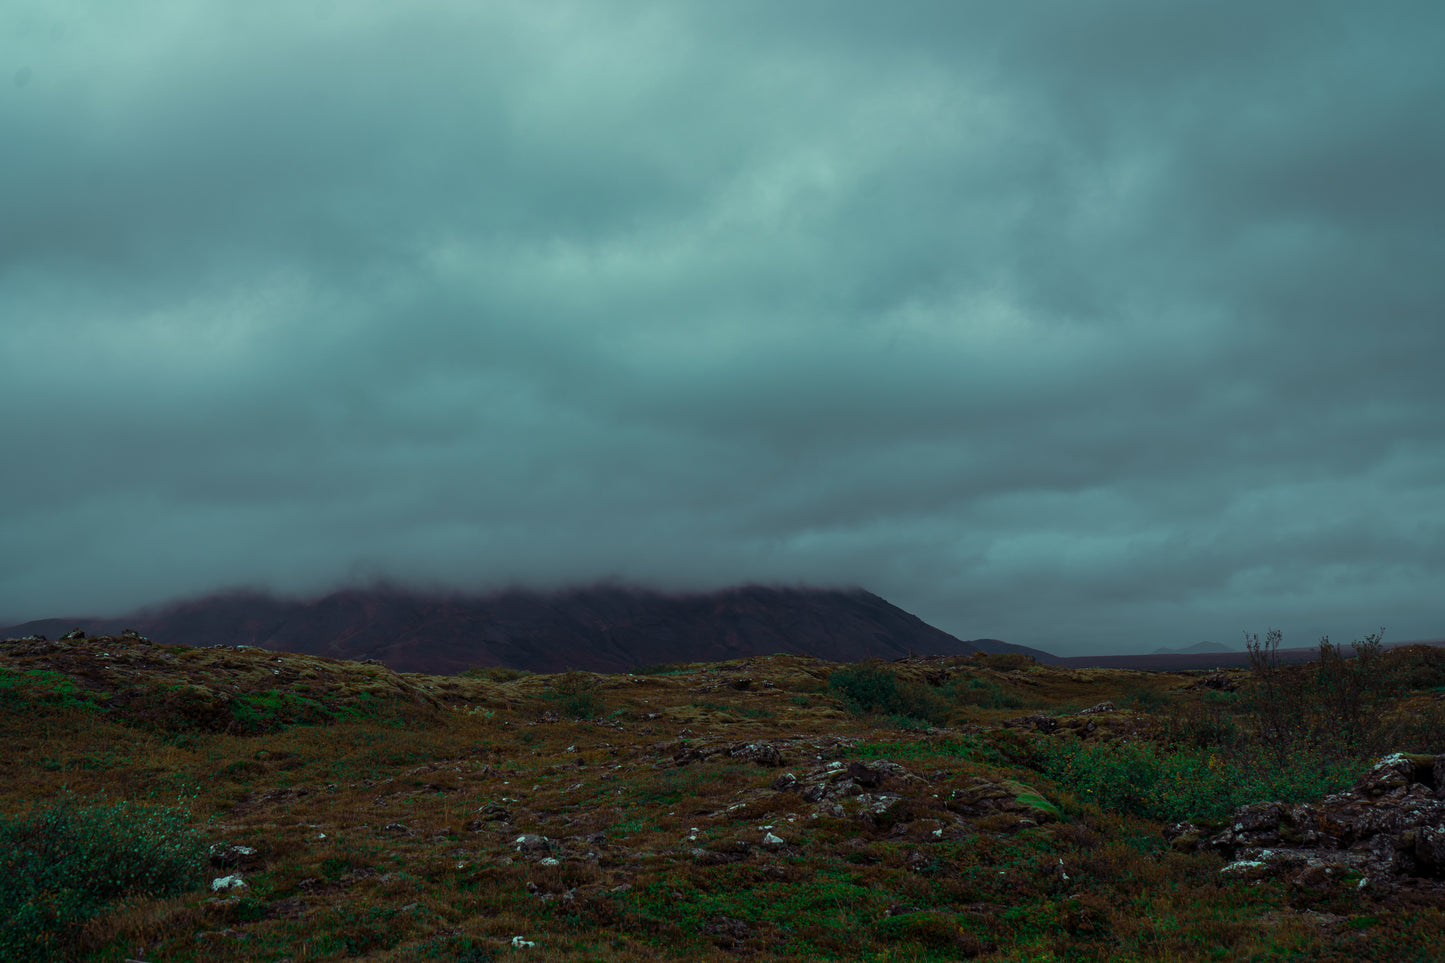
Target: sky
<point x="1092" y="327"/>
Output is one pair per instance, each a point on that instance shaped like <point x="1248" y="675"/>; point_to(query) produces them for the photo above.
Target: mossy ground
<point x="384" y="811"/>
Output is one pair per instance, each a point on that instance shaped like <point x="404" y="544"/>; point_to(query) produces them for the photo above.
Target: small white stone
<point x="223" y="883"/>
<point x="548" y="861"/>
<point x="520" y="943"/>
<point x="1243" y="867"/>
<point x="771" y="840"/>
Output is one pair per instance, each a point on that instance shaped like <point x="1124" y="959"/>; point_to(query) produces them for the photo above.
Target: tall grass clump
<point x="66" y="862"/>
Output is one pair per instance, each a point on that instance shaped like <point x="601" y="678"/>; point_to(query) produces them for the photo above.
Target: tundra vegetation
<point x="168" y="803"/>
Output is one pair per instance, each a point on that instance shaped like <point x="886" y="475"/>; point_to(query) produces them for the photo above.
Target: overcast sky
<point x="1090" y="326"/>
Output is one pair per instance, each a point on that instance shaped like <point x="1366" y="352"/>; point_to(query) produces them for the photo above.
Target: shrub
<point x="984" y="693"/>
<point x="1418" y="666"/>
<point x="1005" y="661"/>
<point x="1329" y="706"/>
<point x="1205" y="723"/>
<point x="495" y="673"/>
<point x="64" y="863"/>
<point x="866" y="688"/>
<point x="908" y="723"/>
<point x="1187" y="783"/>
<point x="577" y="695"/>
<point x="929" y="928"/>
<point x="871" y="689"/>
<point x="658" y="668"/>
<point x="1142" y="699"/>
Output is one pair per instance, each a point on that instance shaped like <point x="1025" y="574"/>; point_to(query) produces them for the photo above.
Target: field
<point x="166" y="803"/>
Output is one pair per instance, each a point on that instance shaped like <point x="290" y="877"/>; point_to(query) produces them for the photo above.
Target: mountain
<point x="1196" y="648"/>
<point x="602" y="628"/>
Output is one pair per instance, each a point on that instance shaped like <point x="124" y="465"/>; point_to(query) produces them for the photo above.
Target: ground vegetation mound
<point x="173" y="803"/>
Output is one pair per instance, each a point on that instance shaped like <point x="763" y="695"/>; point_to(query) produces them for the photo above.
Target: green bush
<point x="577" y="695"/>
<point x="659" y="668"/>
<point x="64" y="863"/>
<point x="984" y="693"/>
<point x="495" y="673"/>
<point x="873" y="690"/>
<point x="1188" y="783"/>
<point x="1005" y="661"/>
<point x="1419" y="667"/>
<point x="908" y="723"/>
<point x="1332" y="705"/>
<point x="1141" y="698"/>
<point x="1208" y="722"/>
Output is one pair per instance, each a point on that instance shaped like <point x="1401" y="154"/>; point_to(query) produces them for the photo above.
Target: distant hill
<point x="1198" y="647"/>
<point x="1193" y="658"/>
<point x="1179" y="661"/>
<point x="604" y="628"/>
<point x="994" y="645"/>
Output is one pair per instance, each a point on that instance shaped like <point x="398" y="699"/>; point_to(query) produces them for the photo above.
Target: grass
<point x="384" y="811"/>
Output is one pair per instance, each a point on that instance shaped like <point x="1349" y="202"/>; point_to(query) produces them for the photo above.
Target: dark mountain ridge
<point x="601" y="628"/>
<point x="1196" y="648"/>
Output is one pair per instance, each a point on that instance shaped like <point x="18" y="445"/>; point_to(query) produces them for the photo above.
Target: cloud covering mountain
<point x="1090" y="326"/>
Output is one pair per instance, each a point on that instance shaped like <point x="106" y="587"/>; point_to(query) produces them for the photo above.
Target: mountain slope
<point x="602" y="628"/>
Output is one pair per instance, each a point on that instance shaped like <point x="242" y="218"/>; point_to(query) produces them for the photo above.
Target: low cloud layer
<point x="1092" y="327"/>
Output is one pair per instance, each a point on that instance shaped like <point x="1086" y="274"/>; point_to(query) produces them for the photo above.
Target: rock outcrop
<point x="1388" y="827"/>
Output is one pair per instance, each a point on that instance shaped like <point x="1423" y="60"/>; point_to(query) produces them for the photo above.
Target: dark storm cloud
<point x="1084" y="326"/>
